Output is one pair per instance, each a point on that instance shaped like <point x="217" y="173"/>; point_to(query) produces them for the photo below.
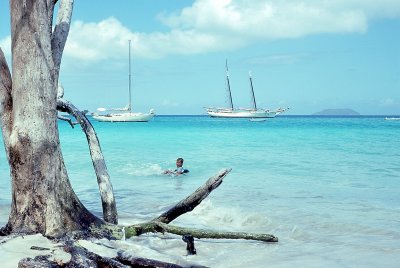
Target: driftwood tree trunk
<point x="42" y="198"/>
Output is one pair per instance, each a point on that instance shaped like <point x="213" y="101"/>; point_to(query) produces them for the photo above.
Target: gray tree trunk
<point x="43" y="200"/>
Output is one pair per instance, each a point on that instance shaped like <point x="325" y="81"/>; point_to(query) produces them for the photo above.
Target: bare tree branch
<point x="159" y="227"/>
<point x="60" y="33"/>
<point x="103" y="178"/>
<point x="68" y="120"/>
<point x="215" y="235"/>
<point x="190" y="202"/>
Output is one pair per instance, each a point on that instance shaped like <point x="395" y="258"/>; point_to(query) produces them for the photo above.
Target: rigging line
<point x="228" y="85"/>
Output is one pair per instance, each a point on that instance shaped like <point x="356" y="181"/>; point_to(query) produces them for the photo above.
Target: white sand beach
<point x="13" y="249"/>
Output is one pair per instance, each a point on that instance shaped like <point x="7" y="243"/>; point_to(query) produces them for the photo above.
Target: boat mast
<point x="252" y="93"/>
<point x="228" y="85"/>
<point x="130" y="103"/>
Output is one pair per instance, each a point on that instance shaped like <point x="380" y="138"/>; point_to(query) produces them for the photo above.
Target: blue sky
<point x="307" y="55"/>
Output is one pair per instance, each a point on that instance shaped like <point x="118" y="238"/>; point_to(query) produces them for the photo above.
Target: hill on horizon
<point x="337" y="112"/>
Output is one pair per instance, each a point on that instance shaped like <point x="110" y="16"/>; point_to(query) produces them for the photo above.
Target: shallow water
<point x="328" y="187"/>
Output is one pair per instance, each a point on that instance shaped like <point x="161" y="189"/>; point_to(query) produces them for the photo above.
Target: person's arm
<point x="179" y="171"/>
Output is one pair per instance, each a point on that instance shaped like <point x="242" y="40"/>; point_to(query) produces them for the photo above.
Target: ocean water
<point x="327" y="187"/>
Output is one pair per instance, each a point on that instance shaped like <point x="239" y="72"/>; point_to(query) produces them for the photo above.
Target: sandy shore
<point x="13" y="249"/>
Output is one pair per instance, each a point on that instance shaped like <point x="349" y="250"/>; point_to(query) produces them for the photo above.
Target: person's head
<point x="179" y="162"/>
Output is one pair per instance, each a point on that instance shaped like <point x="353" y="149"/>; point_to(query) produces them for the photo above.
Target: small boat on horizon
<point x="232" y="112"/>
<point x="392" y="118"/>
<point x="125" y="114"/>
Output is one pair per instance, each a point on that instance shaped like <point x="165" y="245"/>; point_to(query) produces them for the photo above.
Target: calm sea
<point x="328" y="187"/>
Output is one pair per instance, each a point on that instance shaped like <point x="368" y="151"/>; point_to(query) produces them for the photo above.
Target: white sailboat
<point x="231" y="112"/>
<point x="124" y="114"/>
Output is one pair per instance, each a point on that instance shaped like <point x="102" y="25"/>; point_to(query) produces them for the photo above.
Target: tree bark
<point x="190" y="202"/>
<point x="142" y="262"/>
<point x="213" y="234"/>
<point x="5" y="101"/>
<point x="60" y="34"/>
<point x="160" y="224"/>
<point x="103" y="179"/>
<point x="43" y="200"/>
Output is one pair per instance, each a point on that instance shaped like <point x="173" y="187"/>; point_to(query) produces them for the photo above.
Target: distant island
<point x="337" y="112"/>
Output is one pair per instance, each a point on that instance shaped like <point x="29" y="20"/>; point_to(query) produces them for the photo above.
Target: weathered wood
<point x="103" y="178"/>
<point x="142" y="228"/>
<point x="214" y="234"/>
<point x="143" y="262"/>
<point x="188" y="239"/>
<point x="160" y="224"/>
<point x="154" y="227"/>
<point x="67" y="119"/>
<point x="5" y="111"/>
<point x="39" y="248"/>
<point x="43" y="200"/>
<point x="81" y="257"/>
<point x="5" y="100"/>
<point x="190" y="202"/>
<point x="39" y="262"/>
<point x="60" y="34"/>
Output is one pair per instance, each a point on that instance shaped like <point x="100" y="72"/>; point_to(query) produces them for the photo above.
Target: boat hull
<point x="124" y="117"/>
<point x="237" y="113"/>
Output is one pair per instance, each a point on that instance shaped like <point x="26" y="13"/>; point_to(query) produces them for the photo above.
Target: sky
<point x="308" y="55"/>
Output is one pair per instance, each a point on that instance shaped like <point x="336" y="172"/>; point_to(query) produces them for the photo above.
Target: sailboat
<point x="124" y="114"/>
<point x="252" y="113"/>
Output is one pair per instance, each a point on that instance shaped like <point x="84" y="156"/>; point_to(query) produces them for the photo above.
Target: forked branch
<point x="160" y="224"/>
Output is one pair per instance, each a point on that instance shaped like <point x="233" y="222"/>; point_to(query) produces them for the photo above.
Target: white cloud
<point x="97" y="41"/>
<point x="108" y="40"/>
<point x="209" y="25"/>
<point x="269" y="19"/>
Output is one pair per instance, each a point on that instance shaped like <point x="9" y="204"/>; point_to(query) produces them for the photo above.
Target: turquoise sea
<point x="328" y="187"/>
